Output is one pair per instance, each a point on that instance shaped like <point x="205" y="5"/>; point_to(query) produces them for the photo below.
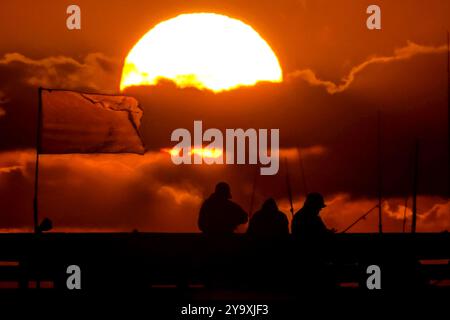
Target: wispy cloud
<point x="410" y="50"/>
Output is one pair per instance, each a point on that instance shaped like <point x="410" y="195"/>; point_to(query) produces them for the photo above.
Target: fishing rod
<point x="360" y="218"/>
<point x="289" y="190"/>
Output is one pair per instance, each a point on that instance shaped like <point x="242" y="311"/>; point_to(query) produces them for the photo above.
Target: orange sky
<point x="399" y="70"/>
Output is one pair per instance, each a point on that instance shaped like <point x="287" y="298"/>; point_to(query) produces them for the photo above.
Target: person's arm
<point x="325" y="229"/>
<point x="243" y="216"/>
<point x="240" y="214"/>
<point x="250" y="228"/>
<point x="202" y="218"/>
<point x="294" y="225"/>
<point x="285" y="229"/>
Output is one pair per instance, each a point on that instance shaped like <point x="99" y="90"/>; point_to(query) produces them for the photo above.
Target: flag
<point x="76" y="122"/>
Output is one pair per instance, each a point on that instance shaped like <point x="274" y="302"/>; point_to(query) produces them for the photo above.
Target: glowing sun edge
<point x="153" y="56"/>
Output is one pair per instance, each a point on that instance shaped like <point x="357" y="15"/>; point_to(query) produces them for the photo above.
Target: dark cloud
<point x="96" y="72"/>
<point x="337" y="133"/>
<point x="344" y="123"/>
<point x="125" y="192"/>
<point x="20" y="76"/>
<point x="3" y="100"/>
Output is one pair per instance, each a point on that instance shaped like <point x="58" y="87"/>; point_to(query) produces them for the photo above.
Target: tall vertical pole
<point x="408" y="179"/>
<point x="302" y="171"/>
<point x="36" y="170"/>
<point x="252" y="199"/>
<point x="380" y="170"/>
<point x="404" y="215"/>
<point x="415" y="182"/>
<point x="448" y="108"/>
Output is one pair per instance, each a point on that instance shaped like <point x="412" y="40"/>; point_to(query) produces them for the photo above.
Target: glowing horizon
<point x="204" y="152"/>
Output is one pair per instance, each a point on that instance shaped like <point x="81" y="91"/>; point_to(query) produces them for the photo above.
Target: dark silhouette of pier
<point x="239" y="262"/>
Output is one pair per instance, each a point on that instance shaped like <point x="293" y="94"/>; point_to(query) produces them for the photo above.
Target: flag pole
<point x="448" y="108"/>
<point x="380" y="174"/>
<point x="36" y="171"/>
<point x="415" y="182"/>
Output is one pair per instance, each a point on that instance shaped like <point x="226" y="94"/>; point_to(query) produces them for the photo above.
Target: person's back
<point x="218" y="214"/>
<point x="268" y="221"/>
<point x="307" y="224"/>
<point x="306" y="221"/>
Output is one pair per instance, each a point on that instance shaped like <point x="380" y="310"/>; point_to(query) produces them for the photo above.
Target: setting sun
<point x="204" y="152"/>
<point x="202" y="50"/>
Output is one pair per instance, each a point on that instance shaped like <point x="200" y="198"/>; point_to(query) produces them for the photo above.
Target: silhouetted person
<point x="307" y="222"/>
<point x="315" y="269"/>
<point x="220" y="215"/>
<point x="268" y="221"/>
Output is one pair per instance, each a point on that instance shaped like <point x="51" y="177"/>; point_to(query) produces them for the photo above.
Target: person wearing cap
<point x="220" y="215"/>
<point x="307" y="222"/>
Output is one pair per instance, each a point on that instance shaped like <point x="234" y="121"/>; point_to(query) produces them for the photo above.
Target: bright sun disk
<point x="202" y="50"/>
